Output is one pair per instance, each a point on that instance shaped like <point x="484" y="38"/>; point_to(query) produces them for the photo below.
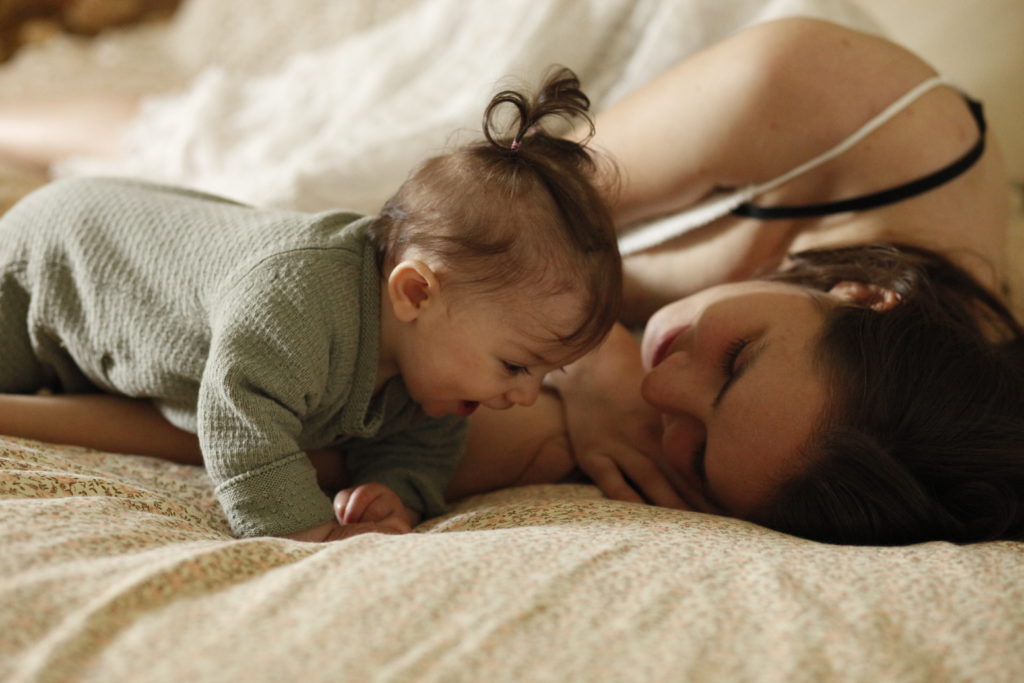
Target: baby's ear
<point x="411" y="286"/>
<point x="880" y="299"/>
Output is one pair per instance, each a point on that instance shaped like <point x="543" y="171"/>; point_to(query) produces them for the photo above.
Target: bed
<point x="122" y="568"/>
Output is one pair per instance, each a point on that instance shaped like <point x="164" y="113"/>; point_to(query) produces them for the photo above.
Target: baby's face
<point x="488" y="350"/>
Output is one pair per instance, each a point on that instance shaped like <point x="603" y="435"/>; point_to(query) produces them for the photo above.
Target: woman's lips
<point x="466" y="408"/>
<point x="662" y="348"/>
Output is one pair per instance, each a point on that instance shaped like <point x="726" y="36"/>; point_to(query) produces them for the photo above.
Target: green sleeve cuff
<point x="279" y="498"/>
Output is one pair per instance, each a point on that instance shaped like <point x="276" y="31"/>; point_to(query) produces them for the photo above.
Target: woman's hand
<point x="613" y="431"/>
<point x="374" y="504"/>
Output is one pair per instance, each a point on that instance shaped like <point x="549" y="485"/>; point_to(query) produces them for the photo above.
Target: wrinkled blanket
<point x="375" y="89"/>
<point x="120" y="568"/>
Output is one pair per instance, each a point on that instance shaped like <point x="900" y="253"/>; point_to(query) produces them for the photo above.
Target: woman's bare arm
<point x="505" y="448"/>
<point x="514" y="447"/>
<point x="100" y="421"/>
<point x="39" y="132"/>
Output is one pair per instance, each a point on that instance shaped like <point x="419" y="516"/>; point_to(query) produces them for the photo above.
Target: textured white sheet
<point x="342" y="125"/>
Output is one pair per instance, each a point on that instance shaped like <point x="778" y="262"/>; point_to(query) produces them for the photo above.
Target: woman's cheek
<point x="681" y="437"/>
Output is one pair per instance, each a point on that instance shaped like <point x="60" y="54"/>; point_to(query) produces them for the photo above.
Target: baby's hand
<point x="376" y="504"/>
<point x="333" y="531"/>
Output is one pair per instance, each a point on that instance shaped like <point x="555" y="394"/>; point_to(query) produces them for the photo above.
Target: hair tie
<point x="518" y="141"/>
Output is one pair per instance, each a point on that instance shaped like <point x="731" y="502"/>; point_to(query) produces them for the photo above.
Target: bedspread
<point x="122" y="568"/>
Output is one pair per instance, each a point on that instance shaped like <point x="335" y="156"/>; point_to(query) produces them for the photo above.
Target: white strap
<point x="858" y="135"/>
<point x="663" y="229"/>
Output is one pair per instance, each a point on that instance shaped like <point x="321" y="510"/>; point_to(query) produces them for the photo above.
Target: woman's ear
<point x="411" y="286"/>
<point x="875" y="297"/>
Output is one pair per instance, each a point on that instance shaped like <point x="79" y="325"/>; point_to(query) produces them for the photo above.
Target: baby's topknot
<point x="517" y="213"/>
<point x="560" y="97"/>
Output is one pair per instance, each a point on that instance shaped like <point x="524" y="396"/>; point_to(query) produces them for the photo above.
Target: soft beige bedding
<point x="120" y="568"/>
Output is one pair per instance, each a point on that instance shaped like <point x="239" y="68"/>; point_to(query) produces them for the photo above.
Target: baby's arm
<point x="265" y="379"/>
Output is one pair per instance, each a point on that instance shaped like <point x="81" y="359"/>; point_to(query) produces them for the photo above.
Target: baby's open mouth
<point x="466" y="408"/>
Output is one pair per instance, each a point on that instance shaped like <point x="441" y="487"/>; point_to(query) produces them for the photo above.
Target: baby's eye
<point x="513" y="369"/>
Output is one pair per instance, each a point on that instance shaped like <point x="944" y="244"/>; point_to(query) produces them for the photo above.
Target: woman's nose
<point x="678" y="385"/>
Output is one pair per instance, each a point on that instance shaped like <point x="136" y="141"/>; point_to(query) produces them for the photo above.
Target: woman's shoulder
<point x="832" y="80"/>
<point x="795" y="47"/>
<point x="793" y="87"/>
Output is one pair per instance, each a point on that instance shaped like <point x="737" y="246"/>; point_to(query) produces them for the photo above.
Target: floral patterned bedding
<point x="119" y="568"/>
<point x="122" y="568"/>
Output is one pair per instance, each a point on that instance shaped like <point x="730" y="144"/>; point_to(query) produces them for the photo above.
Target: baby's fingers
<point x="389" y="511"/>
<point x="351" y="505"/>
<point x="341" y="500"/>
<point x="373" y="503"/>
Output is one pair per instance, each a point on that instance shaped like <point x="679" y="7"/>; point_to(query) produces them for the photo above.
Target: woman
<point x="832" y="387"/>
<point x="852" y="393"/>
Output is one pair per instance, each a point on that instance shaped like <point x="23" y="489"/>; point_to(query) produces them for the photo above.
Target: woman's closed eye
<point x="729" y="365"/>
<point x="732" y="353"/>
<point x="729" y="369"/>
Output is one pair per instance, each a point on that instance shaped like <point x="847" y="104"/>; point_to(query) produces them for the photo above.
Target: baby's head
<point x="510" y="240"/>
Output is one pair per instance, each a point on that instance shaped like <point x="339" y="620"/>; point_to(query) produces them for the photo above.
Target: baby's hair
<point x="517" y="208"/>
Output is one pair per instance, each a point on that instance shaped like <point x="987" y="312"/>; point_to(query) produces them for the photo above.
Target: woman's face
<point x="733" y="372"/>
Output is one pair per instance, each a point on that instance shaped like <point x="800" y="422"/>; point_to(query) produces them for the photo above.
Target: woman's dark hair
<point x="518" y="207"/>
<point x="924" y="437"/>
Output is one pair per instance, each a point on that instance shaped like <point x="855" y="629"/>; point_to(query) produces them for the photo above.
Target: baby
<point x="271" y="333"/>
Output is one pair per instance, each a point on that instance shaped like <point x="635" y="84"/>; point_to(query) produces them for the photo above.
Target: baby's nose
<point x="525" y="396"/>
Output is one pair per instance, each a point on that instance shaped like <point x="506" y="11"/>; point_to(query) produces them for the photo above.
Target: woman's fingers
<point x="607" y="475"/>
<point x="652" y="482"/>
<point x="632" y="476"/>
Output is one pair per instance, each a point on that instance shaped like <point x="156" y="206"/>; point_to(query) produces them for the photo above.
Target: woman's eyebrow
<point x="750" y="356"/>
